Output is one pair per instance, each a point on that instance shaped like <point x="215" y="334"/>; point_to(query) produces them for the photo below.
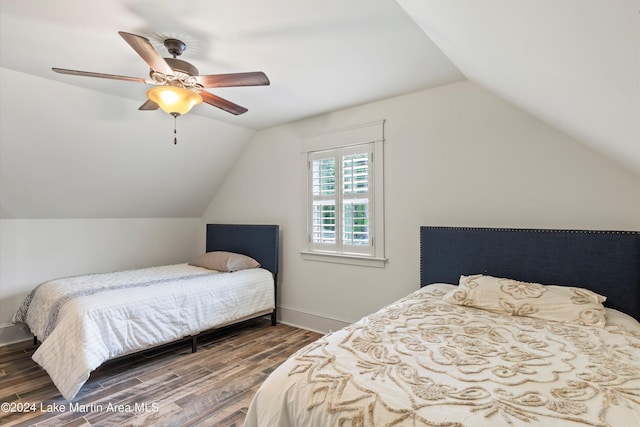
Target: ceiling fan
<point x="178" y="86"/>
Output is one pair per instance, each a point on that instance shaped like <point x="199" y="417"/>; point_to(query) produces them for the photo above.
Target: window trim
<point x="373" y="133"/>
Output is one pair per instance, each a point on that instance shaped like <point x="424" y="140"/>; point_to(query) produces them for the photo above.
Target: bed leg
<point x="274" y="317"/>
<point x="194" y="343"/>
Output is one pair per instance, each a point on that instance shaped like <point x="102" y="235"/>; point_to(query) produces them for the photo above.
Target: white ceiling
<point x="320" y="55"/>
<point x="574" y="64"/>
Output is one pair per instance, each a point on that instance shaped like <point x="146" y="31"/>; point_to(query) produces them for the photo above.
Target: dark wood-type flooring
<point x="212" y="387"/>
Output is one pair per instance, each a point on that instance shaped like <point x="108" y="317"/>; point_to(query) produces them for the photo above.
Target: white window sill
<point x="365" y="261"/>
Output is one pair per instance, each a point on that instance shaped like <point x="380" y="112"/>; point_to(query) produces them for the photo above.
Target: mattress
<point x="83" y="321"/>
<point x="424" y="362"/>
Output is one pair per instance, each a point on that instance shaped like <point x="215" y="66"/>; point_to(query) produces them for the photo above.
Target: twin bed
<point x="483" y="342"/>
<point x="83" y="321"/>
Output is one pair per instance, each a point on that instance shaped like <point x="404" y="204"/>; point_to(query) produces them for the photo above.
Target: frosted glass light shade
<point x="174" y="100"/>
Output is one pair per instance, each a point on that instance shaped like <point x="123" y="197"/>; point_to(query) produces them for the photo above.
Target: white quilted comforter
<point x="424" y="362"/>
<point x="85" y="320"/>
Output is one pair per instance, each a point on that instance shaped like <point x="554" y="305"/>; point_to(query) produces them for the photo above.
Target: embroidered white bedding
<point x="424" y="362"/>
<point x="83" y="321"/>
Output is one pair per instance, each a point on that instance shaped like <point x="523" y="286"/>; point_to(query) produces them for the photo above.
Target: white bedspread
<point x="85" y="320"/>
<point x="424" y="362"/>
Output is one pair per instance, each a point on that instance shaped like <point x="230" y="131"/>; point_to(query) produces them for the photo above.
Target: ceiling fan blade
<point x="256" y="78"/>
<point x="222" y="103"/>
<point x="143" y="47"/>
<point x="149" y="105"/>
<point x="100" y="75"/>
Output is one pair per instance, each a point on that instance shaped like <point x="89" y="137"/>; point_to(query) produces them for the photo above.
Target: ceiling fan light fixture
<point x="174" y="100"/>
<point x="179" y="85"/>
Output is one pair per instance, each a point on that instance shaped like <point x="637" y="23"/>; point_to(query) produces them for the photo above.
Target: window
<point x="344" y="197"/>
<point x="340" y="198"/>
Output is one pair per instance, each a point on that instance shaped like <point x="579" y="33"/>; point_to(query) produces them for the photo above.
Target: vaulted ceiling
<point x="574" y="64"/>
<point x="78" y="147"/>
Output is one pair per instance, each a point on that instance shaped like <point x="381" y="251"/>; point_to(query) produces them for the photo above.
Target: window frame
<point x="346" y="140"/>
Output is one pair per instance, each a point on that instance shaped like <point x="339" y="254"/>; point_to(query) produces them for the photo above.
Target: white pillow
<point x="549" y="302"/>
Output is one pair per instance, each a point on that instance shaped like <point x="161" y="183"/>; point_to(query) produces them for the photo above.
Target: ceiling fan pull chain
<point x="175" y="133"/>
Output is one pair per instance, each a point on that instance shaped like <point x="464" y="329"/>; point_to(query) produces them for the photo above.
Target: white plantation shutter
<point x="341" y="192"/>
<point x="344" y="201"/>
<point x="357" y="218"/>
<point x="324" y="198"/>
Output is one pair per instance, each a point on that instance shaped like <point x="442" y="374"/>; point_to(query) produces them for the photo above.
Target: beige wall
<point x="455" y="155"/>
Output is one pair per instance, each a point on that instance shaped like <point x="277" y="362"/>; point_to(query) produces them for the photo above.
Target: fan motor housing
<point x="175" y="46"/>
<point x="180" y="66"/>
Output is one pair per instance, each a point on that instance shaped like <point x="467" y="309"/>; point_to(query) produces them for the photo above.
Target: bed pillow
<point x="549" y="302"/>
<point x="225" y="261"/>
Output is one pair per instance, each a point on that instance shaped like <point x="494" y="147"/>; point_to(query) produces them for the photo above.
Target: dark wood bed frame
<point x="606" y="262"/>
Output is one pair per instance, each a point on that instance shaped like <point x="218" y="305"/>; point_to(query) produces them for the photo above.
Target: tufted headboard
<point x="606" y="262"/>
<point x="260" y="242"/>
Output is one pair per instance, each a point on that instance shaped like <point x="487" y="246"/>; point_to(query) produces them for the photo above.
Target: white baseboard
<point x="10" y="333"/>
<point x="310" y="321"/>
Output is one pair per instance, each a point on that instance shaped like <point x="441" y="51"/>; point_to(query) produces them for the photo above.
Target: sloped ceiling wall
<point x="77" y="153"/>
<point x="575" y="64"/>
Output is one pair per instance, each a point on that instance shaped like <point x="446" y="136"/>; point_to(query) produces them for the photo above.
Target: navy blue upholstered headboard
<point x="607" y="262"/>
<point x="260" y="242"/>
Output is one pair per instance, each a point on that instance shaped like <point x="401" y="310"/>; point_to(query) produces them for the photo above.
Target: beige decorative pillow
<point x="550" y="302"/>
<point x="225" y="261"/>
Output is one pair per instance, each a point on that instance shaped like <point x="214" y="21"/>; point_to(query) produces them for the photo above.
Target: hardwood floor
<point x="163" y="387"/>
